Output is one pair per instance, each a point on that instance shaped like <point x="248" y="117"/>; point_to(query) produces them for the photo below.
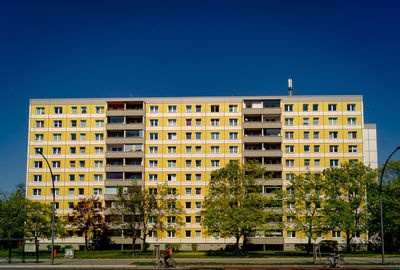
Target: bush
<point x="328" y="245"/>
<point x="194" y="246"/>
<point x="66" y="247"/>
<point x="56" y="247"/>
<point x="173" y="246"/>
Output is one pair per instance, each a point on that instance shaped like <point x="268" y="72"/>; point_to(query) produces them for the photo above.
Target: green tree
<point x="346" y="193"/>
<point x="390" y="205"/>
<point x="146" y="211"/>
<point x="303" y="206"/>
<point x="235" y="205"/>
<point x="12" y="213"/>
<point x="87" y="217"/>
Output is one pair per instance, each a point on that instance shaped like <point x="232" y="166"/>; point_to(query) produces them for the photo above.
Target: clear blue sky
<point x="58" y="49"/>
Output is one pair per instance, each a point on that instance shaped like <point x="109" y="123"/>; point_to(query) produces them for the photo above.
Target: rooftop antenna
<point x="290" y="86"/>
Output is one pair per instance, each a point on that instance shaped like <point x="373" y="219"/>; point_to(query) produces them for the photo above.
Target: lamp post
<point x="380" y="204"/>
<point x="54" y="205"/>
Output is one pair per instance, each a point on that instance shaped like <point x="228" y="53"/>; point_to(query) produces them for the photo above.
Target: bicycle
<point x="329" y="262"/>
<point x="160" y="262"/>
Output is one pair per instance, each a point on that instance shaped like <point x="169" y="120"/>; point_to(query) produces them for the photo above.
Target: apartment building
<point x="95" y="145"/>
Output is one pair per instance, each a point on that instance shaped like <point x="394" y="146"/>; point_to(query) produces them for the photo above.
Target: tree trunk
<point x="86" y="241"/>
<point x="308" y="248"/>
<point x="144" y="242"/>
<point x="348" y="240"/>
<point x="237" y="249"/>
<point x="133" y="245"/>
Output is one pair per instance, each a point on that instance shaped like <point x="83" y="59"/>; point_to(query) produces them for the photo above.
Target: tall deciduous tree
<point x="346" y="194"/>
<point x="303" y="206"/>
<point x="87" y="217"/>
<point x="235" y="205"/>
<point x="12" y="213"/>
<point x="146" y="211"/>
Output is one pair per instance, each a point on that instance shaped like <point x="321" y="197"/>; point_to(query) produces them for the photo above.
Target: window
<point x="82" y="137"/>
<point x="171" y="219"/>
<point x="81" y="191"/>
<point x="315" y="107"/>
<point x="198" y="149"/>
<point x="334" y="163"/>
<point x="306" y="121"/>
<point x="351" y="107"/>
<point x="73" y="123"/>
<point x="70" y="205"/>
<point x="172" y="122"/>
<point x="307" y="163"/>
<point x="56" y="205"/>
<point x="198" y="108"/>
<point x="83" y="123"/>
<point x="56" y="192"/>
<point x="332" y="121"/>
<point x="188" y="122"/>
<point x="57" y="137"/>
<point x="289" y="122"/>
<point x="316" y="134"/>
<point x="214" y="149"/>
<point x="98" y="150"/>
<point x="57" y="123"/>
<point x="214" y="122"/>
<point x="57" y="110"/>
<point x="82" y="164"/>
<point x="40" y="110"/>
<point x="198" y="135"/>
<point x="153" y="136"/>
<point x="99" y="123"/>
<point x="289" y="176"/>
<point x="71" y="192"/>
<point x="353" y="149"/>
<point x="171" y="177"/>
<point x="215" y="135"/>
<point x="56" y="178"/>
<point x="153" y="149"/>
<point x="188" y="177"/>
<point x="198" y="191"/>
<point x="56" y="150"/>
<point x="198" y="122"/>
<point x="332" y="107"/>
<point x="290" y="163"/>
<point x="98" y="177"/>
<point x="72" y="163"/>
<point x="198" y="163"/>
<point x="214" y="163"/>
<point x="37" y="192"/>
<point x="83" y="110"/>
<point x="153" y="109"/>
<point x="198" y="219"/>
<point x="153" y="163"/>
<point x="39" y="124"/>
<point x="188" y="135"/>
<point x="98" y="164"/>
<point x="171" y="234"/>
<point x="38" y="150"/>
<point x="153" y="177"/>
<point x="316" y="121"/>
<point x="291" y="234"/>
<point x="172" y="109"/>
<point x="153" y="122"/>
<point x="99" y="136"/>
<point x="289" y="148"/>
<point x="39" y="137"/>
<point x="306" y="135"/>
<point x="99" y="109"/>
<point x="289" y="135"/>
<point x="316" y="148"/>
<point x="233" y="108"/>
<point x="198" y="177"/>
<point x="233" y="149"/>
<point x="171" y="149"/>
<point x="97" y="191"/>
<point x="214" y="108"/>
<point x="233" y="136"/>
<point x="233" y="122"/>
<point x="188" y="191"/>
<point x="171" y="163"/>
<point x="198" y="205"/>
<point x="188" y="108"/>
<point x="82" y="150"/>
<point x="171" y="136"/>
<point x="188" y="234"/>
<point x="317" y="163"/>
<point x="333" y="148"/>
<point x="188" y="149"/>
<point x="37" y="178"/>
<point x="305" y="107"/>
<point x="333" y="134"/>
<point x="336" y="234"/>
<point x="288" y="107"/>
<point x="306" y="149"/>
<point x="82" y="178"/>
<point x="352" y="121"/>
<point x="352" y="134"/>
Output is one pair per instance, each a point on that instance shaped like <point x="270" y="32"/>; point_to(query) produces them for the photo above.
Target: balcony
<point x="128" y="140"/>
<point x="125" y="112"/>
<point x="124" y="126"/>
<point x="259" y="124"/>
<point x="130" y="154"/>
<point x="270" y="240"/>
<point x="262" y="111"/>
<point x="266" y="139"/>
<point x="124" y="168"/>
<point x="262" y="153"/>
<point x="273" y="167"/>
<point x="121" y="182"/>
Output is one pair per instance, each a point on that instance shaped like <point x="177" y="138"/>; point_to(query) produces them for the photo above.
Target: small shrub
<point x="194" y="246"/>
<point x="173" y="246"/>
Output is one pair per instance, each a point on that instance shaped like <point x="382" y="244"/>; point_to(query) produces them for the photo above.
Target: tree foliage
<point x="146" y="212"/>
<point x="235" y="206"/>
<point x="12" y="213"/>
<point x="87" y="217"/>
<point x="345" y="191"/>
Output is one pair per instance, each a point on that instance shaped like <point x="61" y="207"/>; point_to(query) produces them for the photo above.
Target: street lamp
<point x="54" y="205"/>
<point x="380" y="204"/>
